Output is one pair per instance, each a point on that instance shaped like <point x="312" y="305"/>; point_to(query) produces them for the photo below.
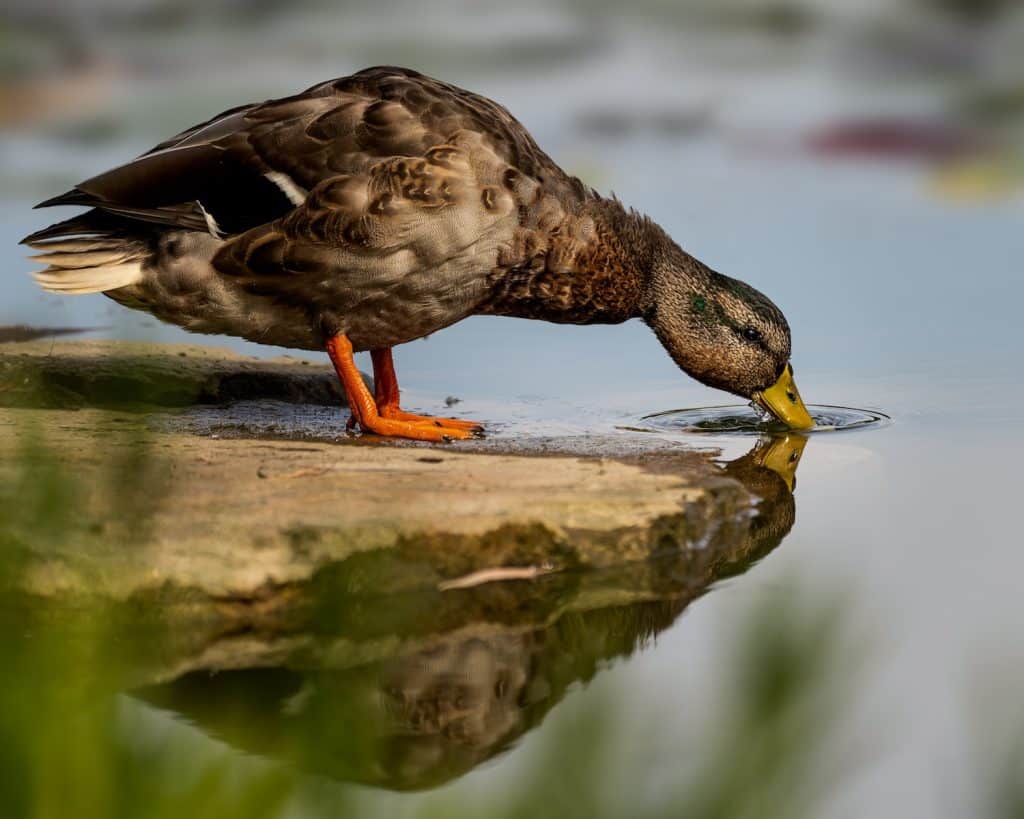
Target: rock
<point x="232" y="518"/>
<point x="137" y="375"/>
<point x="212" y="526"/>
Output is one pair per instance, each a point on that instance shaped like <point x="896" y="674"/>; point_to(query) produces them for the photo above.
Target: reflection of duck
<point x="769" y="460"/>
<point x="769" y="472"/>
<point x="412" y="691"/>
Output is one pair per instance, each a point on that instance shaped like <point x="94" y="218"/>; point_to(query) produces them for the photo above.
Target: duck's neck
<point x="595" y="267"/>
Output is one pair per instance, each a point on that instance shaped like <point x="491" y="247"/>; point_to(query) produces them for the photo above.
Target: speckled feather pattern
<point x="388" y="205"/>
<point x="421" y="204"/>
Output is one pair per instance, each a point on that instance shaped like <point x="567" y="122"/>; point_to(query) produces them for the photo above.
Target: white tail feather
<point x="87" y="264"/>
<point x="75" y="245"/>
<point x="95" y="279"/>
<point x="95" y="258"/>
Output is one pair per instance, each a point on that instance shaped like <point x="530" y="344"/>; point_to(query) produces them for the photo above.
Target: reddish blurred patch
<point x="895" y="139"/>
<point x="72" y="91"/>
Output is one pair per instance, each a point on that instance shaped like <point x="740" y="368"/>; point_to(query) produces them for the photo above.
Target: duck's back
<point x="378" y="204"/>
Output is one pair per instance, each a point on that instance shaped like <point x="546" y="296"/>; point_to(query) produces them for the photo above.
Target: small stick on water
<point x="493" y="575"/>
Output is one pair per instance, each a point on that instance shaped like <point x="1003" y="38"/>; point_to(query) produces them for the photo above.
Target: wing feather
<point x="370" y="172"/>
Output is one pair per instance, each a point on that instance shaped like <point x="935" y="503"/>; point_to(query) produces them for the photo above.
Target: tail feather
<point x="87" y="254"/>
<point x="82" y="244"/>
<point x="89" y="279"/>
<point x="76" y="259"/>
<point x="72" y="197"/>
<point x="93" y="223"/>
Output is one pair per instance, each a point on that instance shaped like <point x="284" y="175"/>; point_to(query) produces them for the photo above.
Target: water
<point x="747" y="420"/>
<point x="897" y="300"/>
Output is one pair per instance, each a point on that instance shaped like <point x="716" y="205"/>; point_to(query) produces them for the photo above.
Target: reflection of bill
<point x="778" y="456"/>
<point x="456" y="677"/>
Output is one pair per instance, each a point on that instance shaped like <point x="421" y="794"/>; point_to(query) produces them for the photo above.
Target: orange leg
<point x="364" y="407"/>
<point x="385" y="384"/>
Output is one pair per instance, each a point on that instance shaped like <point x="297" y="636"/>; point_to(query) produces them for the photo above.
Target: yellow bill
<point x="783" y="401"/>
<point x="782" y="456"/>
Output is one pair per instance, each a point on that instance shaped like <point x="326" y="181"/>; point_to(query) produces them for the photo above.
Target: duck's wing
<point x="459" y="205"/>
<point x="221" y="176"/>
<point x="257" y="164"/>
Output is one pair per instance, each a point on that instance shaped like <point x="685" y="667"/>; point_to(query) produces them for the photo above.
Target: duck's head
<point x="725" y="334"/>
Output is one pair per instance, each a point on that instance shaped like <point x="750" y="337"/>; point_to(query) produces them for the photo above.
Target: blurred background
<point x="757" y="133"/>
<point x="861" y="162"/>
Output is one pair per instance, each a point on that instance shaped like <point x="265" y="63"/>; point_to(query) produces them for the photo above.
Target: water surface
<point x="750" y="420"/>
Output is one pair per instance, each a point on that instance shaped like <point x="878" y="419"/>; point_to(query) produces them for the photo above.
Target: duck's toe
<point x="425" y="430"/>
<point x="476" y="428"/>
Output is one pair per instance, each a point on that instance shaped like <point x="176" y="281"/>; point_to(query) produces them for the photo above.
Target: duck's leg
<point x="364" y="407"/>
<point x="385" y="385"/>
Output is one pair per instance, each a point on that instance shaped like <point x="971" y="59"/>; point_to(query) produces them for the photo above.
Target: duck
<point x="378" y="208"/>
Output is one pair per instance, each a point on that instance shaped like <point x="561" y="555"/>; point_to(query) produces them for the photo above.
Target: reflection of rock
<point x="410" y="691"/>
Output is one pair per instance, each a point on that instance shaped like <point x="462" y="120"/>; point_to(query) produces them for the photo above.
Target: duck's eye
<point x="752" y="334"/>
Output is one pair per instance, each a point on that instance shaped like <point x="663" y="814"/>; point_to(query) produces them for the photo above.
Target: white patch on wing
<point x="295" y="194"/>
<point x="211" y="223"/>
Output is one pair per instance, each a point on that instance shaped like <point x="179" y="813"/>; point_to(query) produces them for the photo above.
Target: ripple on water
<point x="746" y="420"/>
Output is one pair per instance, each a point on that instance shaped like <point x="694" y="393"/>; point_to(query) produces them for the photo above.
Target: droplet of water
<point x="746" y="420"/>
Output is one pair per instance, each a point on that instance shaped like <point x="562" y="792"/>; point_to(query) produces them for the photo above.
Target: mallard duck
<point x="375" y="209"/>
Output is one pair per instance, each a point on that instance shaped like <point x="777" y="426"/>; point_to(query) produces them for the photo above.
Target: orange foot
<point x="381" y="414"/>
<point x="396" y="413"/>
<point x="427" y="430"/>
<point x="401" y="424"/>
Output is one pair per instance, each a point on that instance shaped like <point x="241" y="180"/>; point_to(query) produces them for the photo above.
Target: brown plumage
<point x="378" y="208"/>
